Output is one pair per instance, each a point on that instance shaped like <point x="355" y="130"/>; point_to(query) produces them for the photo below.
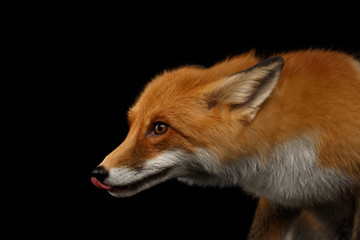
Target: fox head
<point x="188" y="124"/>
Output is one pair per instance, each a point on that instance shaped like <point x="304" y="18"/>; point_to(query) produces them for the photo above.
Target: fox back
<point x="285" y="129"/>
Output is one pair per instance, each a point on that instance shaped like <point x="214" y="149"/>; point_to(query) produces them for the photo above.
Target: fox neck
<point x="288" y="174"/>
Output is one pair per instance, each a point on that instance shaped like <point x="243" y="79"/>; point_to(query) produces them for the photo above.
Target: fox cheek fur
<point x="285" y="129"/>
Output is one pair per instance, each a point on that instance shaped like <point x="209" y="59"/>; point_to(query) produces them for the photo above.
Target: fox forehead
<point x="167" y="97"/>
<point x="181" y="89"/>
<point x="163" y="90"/>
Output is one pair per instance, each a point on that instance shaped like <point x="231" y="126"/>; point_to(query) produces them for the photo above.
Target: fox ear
<point x="247" y="89"/>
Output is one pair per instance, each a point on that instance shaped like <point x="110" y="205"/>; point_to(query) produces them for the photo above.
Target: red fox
<point x="285" y="129"/>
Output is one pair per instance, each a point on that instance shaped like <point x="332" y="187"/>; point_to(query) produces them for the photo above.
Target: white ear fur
<point x="249" y="88"/>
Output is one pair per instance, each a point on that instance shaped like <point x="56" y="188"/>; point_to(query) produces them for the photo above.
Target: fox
<point x="285" y="129"/>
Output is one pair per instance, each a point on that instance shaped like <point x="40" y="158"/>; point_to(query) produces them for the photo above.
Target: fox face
<point x="184" y="126"/>
<point x="285" y="129"/>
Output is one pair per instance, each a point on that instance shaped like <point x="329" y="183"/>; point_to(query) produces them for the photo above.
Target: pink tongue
<point x="99" y="184"/>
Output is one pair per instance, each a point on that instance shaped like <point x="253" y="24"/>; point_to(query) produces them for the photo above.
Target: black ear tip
<point x="276" y="59"/>
<point x="270" y="61"/>
<point x="280" y="60"/>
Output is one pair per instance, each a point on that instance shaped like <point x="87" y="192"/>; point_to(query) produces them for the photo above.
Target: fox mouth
<point x="139" y="185"/>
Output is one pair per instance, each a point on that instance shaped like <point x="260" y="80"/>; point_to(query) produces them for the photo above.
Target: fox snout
<point x="125" y="181"/>
<point x="99" y="174"/>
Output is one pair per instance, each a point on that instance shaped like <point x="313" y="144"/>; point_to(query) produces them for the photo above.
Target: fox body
<point x="285" y="129"/>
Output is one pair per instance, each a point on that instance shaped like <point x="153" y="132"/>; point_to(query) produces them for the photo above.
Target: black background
<point x="92" y="62"/>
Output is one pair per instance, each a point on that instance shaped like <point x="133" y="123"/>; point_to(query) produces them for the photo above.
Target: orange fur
<point x="318" y="92"/>
<point x="270" y="221"/>
<point x="316" y="88"/>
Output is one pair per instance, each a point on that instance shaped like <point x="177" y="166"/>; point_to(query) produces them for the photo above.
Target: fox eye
<point x="160" y="128"/>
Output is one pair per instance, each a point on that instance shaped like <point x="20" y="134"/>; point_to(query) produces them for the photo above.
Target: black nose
<point x="100" y="173"/>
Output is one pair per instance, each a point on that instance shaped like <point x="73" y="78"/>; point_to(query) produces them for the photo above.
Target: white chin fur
<point x="128" y="182"/>
<point x="119" y="193"/>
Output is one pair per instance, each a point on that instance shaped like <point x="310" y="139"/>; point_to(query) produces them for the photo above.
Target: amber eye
<point x="160" y="128"/>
